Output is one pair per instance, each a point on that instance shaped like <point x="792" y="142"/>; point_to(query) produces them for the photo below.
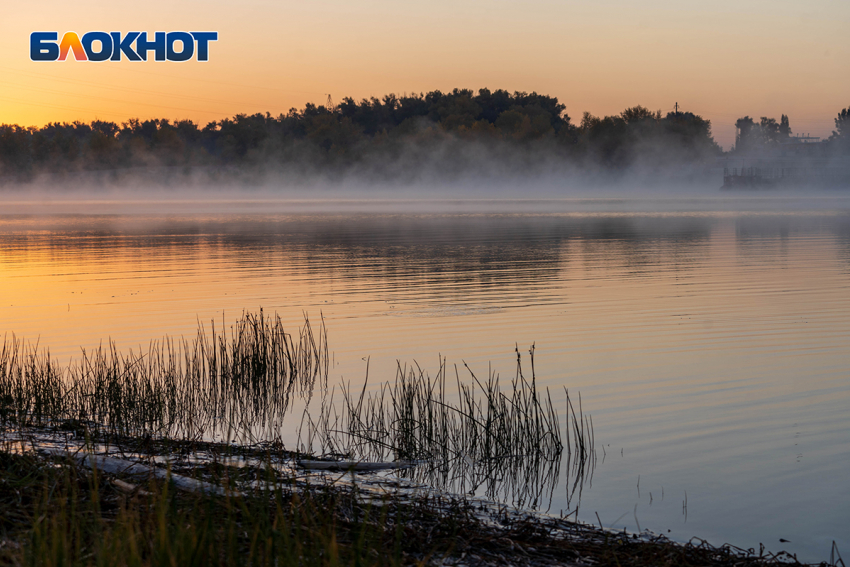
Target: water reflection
<point x="482" y="250"/>
<point x="711" y="348"/>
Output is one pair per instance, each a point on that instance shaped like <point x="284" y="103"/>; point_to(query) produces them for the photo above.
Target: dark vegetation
<point x="67" y="515"/>
<point x="754" y="137"/>
<point x="395" y="136"/>
<point x="53" y="512"/>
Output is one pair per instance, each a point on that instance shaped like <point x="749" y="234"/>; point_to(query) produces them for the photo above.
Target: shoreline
<point x="614" y="203"/>
<point x="480" y="532"/>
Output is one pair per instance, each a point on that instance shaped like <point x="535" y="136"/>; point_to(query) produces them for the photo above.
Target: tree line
<point x="383" y="131"/>
<point x="753" y="137"/>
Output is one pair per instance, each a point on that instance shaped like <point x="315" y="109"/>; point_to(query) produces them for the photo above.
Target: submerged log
<point x="114" y="465"/>
<point x="354" y="465"/>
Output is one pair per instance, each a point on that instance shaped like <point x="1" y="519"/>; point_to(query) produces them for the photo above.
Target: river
<point x="710" y="344"/>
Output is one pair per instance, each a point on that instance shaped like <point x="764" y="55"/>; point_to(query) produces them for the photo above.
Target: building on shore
<point x="795" y="162"/>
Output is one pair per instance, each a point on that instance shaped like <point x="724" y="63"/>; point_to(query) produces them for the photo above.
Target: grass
<point x="67" y="516"/>
<point x="53" y="513"/>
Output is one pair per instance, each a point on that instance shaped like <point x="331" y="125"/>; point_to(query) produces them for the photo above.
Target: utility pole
<point x="677" y="109"/>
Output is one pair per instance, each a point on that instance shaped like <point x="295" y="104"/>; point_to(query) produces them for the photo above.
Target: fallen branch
<point x="113" y="465"/>
<point x="128" y="488"/>
<point x="353" y="465"/>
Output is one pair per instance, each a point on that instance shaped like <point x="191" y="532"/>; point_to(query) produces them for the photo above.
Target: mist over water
<point x="538" y="194"/>
<point x="707" y="333"/>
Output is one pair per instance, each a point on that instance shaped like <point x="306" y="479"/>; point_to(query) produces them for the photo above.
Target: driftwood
<point x="353" y="465"/>
<point x="128" y="488"/>
<point x="114" y="465"/>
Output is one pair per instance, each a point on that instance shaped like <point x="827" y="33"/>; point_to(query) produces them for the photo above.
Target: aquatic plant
<point x="214" y="385"/>
<point x="500" y="439"/>
<point x="466" y="435"/>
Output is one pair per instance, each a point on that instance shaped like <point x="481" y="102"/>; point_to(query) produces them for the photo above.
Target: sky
<point x="722" y="60"/>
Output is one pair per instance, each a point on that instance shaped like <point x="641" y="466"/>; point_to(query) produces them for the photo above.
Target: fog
<point x="180" y="193"/>
<point x="446" y="173"/>
<point x="455" y="151"/>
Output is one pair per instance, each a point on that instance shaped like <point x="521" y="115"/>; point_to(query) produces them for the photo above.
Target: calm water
<point x="711" y="348"/>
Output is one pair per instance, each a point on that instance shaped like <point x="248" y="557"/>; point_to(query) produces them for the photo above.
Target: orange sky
<point x="722" y="60"/>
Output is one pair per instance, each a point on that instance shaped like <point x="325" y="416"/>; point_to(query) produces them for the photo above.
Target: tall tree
<point x="746" y="134"/>
<point x="840" y="138"/>
<point x="784" y="127"/>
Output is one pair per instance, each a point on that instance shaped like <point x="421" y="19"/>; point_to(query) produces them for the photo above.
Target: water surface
<point x="711" y="347"/>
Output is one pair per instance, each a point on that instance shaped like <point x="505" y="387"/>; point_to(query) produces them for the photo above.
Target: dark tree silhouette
<point x="524" y="127"/>
<point x="840" y="138"/>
